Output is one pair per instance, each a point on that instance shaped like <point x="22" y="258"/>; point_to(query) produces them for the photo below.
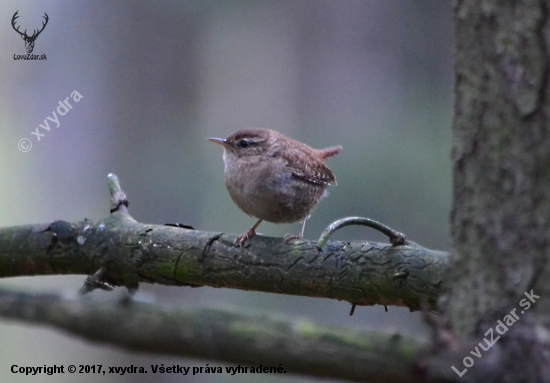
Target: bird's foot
<point x="241" y="239"/>
<point x="290" y="238"/>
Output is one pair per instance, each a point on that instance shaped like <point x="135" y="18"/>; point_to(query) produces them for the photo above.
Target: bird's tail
<point x="326" y="153"/>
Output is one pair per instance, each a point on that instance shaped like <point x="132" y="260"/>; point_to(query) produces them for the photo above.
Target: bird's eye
<point x="244" y="143"/>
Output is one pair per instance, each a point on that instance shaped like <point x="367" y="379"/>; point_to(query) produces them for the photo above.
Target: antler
<point x="35" y="34"/>
<point x="24" y="34"/>
<point x="15" y="16"/>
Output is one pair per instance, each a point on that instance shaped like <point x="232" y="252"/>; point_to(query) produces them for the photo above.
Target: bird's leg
<point x="241" y="239"/>
<point x="289" y="237"/>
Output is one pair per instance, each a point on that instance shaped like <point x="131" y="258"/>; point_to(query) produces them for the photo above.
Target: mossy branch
<point x="224" y="336"/>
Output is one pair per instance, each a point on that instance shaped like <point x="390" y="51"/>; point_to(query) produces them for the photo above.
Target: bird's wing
<point x="309" y="168"/>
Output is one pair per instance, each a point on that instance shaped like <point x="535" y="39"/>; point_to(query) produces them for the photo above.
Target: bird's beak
<point x="219" y="141"/>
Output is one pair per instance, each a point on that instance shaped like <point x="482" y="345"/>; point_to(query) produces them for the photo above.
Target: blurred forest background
<point x="159" y="77"/>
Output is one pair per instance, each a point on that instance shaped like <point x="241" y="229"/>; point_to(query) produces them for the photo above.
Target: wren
<point x="274" y="178"/>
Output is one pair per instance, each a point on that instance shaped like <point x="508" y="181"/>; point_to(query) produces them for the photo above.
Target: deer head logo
<point x="29" y="40"/>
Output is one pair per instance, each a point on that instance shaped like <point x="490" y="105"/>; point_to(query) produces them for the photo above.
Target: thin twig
<point x="396" y="238"/>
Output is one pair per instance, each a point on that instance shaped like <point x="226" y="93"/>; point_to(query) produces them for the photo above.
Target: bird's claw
<point x="241" y="239"/>
<point x="289" y="238"/>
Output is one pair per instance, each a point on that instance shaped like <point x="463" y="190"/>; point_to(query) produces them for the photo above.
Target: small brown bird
<point x="274" y="178"/>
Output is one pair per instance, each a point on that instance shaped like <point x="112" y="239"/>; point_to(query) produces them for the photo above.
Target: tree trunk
<point x="500" y="217"/>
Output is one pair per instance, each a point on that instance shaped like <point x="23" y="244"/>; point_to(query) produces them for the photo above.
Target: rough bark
<point x="127" y="252"/>
<point x="501" y="153"/>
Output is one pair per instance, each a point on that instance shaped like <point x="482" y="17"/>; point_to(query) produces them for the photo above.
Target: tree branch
<point x="297" y="347"/>
<point x="123" y="252"/>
